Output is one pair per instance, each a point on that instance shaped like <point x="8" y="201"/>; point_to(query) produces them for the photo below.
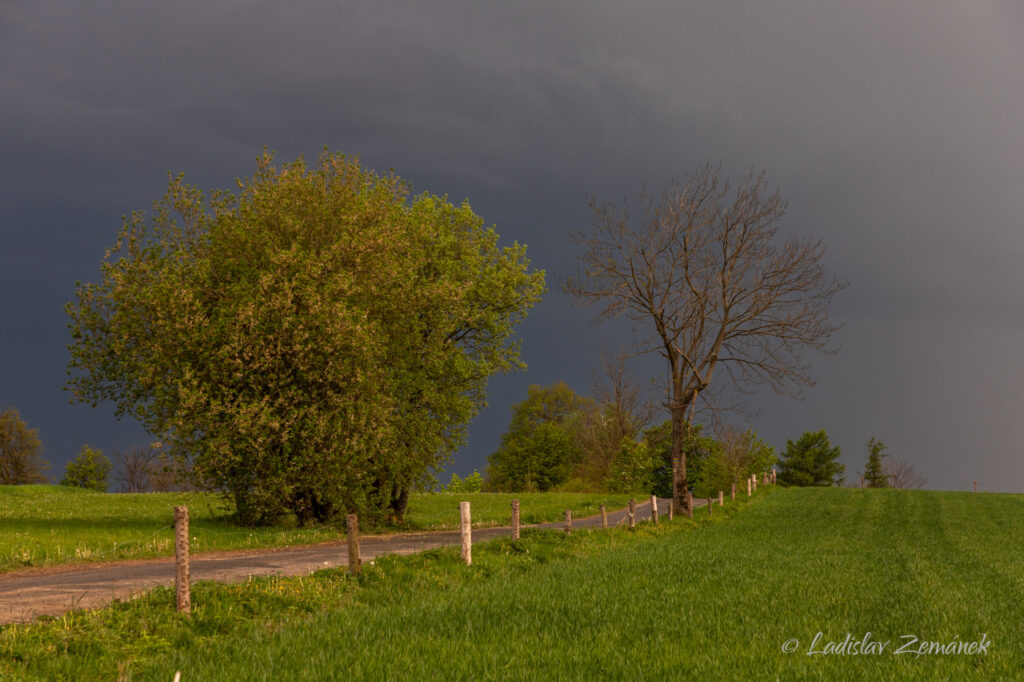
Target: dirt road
<point x="26" y="594"/>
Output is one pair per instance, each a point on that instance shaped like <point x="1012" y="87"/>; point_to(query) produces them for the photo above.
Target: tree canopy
<point x="90" y="470"/>
<point x="811" y="461"/>
<point x="21" y="451"/>
<point x="874" y="471"/>
<point x="317" y="338"/>
<point x="540" y="449"/>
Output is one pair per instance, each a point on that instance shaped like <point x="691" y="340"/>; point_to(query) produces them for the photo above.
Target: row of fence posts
<point x="181" y="545"/>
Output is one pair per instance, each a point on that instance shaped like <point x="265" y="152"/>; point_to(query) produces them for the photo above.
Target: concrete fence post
<point x="182" y="587"/>
<point x="355" y="564"/>
<point x="467" y="534"/>
<point x="568" y="521"/>
<point x="654" y="509"/>
<point x="604" y="516"/>
<point x="632" y="513"/>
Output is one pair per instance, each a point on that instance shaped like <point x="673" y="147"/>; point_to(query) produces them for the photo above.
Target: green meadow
<point x="821" y="584"/>
<point x="46" y="525"/>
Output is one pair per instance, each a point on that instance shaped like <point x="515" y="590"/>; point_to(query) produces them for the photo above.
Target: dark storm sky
<point x="892" y="128"/>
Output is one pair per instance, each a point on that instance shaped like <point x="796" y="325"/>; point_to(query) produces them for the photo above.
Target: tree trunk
<point x="399" y="502"/>
<point x="679" y="486"/>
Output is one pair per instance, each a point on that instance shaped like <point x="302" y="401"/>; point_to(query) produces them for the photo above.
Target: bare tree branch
<point x="702" y="274"/>
<point x="901" y="474"/>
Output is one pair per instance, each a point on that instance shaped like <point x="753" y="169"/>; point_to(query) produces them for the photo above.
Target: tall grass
<point x="47" y="525"/>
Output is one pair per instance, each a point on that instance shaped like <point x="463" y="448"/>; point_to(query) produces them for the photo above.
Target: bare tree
<point x="620" y="410"/>
<point x="135" y="469"/>
<point x="901" y="474"/>
<point x="705" y="284"/>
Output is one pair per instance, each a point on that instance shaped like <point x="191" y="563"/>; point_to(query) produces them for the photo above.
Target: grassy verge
<point x="48" y="525"/>
<point x="659" y="603"/>
<point x="141" y="638"/>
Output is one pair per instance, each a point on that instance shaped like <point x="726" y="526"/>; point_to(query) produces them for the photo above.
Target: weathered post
<point x="721" y="498"/>
<point x="753" y="478"/>
<point x="568" y="521"/>
<point x="689" y="503"/>
<point x="654" y="509"/>
<point x="671" y="511"/>
<point x="181" y="573"/>
<point x="355" y="564"/>
<point x="975" y="485"/>
<point x="734" y="490"/>
<point x="748" y="487"/>
<point x="515" y="519"/>
<point x="632" y="513"/>
<point x="710" y="506"/>
<point x="467" y="538"/>
<point x="604" y="516"/>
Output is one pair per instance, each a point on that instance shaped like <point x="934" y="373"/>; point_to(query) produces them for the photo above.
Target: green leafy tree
<point x="699" y="450"/>
<point x="874" y="470"/>
<point x="21" y="451"/>
<point x="633" y="468"/>
<point x="539" y="450"/>
<point x="811" y="461"/>
<point x="316" y="339"/>
<point x="473" y="483"/>
<point x="90" y="469"/>
<point x="736" y="455"/>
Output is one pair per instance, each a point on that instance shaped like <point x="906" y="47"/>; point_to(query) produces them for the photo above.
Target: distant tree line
<point x="560" y="440"/>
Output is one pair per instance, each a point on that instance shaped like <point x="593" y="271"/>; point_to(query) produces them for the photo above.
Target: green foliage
<point x="21" y="452"/>
<point x="811" y="460"/>
<point x="874" y="470"/>
<point x="539" y="450"/>
<point x="473" y="483"/>
<point x="737" y="455"/>
<point x="90" y="469"/>
<point x="315" y="340"/>
<point x="698" y="448"/>
<point x="632" y="469"/>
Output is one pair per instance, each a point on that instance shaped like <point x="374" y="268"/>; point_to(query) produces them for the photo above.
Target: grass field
<point x="46" y="525"/>
<point x="686" y="600"/>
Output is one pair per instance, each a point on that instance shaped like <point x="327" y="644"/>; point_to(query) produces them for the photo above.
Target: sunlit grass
<point x="686" y="600"/>
<point x="47" y="525"/>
